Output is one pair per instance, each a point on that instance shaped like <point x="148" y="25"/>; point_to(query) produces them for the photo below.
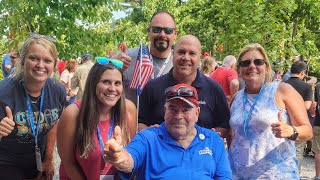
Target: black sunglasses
<point x="38" y="36"/>
<point x="166" y="30"/>
<point x="182" y="91"/>
<point x="246" y="63"/>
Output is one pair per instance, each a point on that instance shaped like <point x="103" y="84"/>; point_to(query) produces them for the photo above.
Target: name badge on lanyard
<point x="38" y="159"/>
<point x="35" y="128"/>
<point x="106" y="177"/>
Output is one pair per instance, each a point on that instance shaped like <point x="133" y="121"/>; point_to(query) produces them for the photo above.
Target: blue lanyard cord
<point x="109" y="135"/>
<point x="247" y="115"/>
<point x="35" y="130"/>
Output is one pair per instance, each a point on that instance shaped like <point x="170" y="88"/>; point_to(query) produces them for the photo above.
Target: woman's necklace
<point x="34" y="100"/>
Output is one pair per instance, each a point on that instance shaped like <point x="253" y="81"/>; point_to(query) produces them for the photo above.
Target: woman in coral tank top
<point x="86" y="125"/>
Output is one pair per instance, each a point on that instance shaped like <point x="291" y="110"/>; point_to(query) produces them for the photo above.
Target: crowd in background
<point x="174" y="128"/>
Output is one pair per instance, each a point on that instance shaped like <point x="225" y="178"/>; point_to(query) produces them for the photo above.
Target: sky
<point x="119" y="14"/>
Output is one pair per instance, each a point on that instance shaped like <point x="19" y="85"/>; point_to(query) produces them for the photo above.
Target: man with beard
<point x="214" y="112"/>
<point x="162" y="32"/>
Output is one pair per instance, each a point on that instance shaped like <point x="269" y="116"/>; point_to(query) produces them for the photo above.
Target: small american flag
<point x="146" y="68"/>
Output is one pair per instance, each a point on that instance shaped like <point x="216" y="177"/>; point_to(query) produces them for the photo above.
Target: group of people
<point x="183" y="116"/>
<point x="74" y="77"/>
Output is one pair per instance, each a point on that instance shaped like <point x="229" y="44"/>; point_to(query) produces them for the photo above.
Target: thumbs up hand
<point x="113" y="147"/>
<point x="115" y="154"/>
<point x="7" y="123"/>
<point x="123" y="57"/>
<point x="281" y="129"/>
<point x="123" y="47"/>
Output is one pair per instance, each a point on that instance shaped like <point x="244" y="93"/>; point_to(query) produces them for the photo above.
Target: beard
<point x="161" y="47"/>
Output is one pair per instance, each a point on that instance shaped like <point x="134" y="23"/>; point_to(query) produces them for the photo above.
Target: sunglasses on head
<point x="39" y="36"/>
<point x="182" y="91"/>
<point x="166" y="30"/>
<point x="246" y="63"/>
<point x="104" y="61"/>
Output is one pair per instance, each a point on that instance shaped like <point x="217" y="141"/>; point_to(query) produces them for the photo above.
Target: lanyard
<point x="35" y="130"/>
<point x="247" y="115"/>
<point x="109" y="135"/>
<point x="163" y="66"/>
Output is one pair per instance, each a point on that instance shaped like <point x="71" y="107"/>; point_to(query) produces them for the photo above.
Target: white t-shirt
<point x="66" y="78"/>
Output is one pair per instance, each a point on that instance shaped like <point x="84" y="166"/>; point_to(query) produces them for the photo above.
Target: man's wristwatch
<point x="295" y="134"/>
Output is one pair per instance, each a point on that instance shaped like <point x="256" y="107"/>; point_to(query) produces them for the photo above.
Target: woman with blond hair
<point x="208" y="65"/>
<point x="30" y="105"/>
<point x="266" y="119"/>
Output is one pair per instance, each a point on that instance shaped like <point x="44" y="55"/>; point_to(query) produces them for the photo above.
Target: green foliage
<point x="79" y="26"/>
<point x="285" y="28"/>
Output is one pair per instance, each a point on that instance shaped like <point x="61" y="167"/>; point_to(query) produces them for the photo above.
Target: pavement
<point x="308" y="169"/>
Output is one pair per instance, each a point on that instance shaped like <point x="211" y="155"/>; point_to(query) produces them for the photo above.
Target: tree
<point x="79" y="26"/>
<point x="284" y="28"/>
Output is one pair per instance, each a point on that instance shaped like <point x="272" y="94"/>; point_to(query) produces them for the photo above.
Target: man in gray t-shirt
<point x="162" y="32"/>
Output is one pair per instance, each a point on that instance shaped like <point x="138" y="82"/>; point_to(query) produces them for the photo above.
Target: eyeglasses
<point x="166" y="30"/>
<point x="104" y="61"/>
<point x="39" y="36"/>
<point x="246" y="63"/>
<point x="182" y="91"/>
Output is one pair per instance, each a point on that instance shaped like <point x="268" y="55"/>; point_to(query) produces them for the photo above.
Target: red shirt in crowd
<point x="224" y="75"/>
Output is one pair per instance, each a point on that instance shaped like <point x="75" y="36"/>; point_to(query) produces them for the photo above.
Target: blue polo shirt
<point x="214" y="111"/>
<point x="157" y="156"/>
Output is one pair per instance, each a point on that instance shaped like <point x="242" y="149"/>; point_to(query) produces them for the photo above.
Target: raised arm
<point x="66" y="141"/>
<point x="115" y="154"/>
<point x="123" y="56"/>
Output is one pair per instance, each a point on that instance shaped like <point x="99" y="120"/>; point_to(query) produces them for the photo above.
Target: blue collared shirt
<point x="157" y="156"/>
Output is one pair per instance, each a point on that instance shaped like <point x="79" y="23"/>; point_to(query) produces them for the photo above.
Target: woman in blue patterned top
<point x="30" y="105"/>
<point x="266" y="119"/>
